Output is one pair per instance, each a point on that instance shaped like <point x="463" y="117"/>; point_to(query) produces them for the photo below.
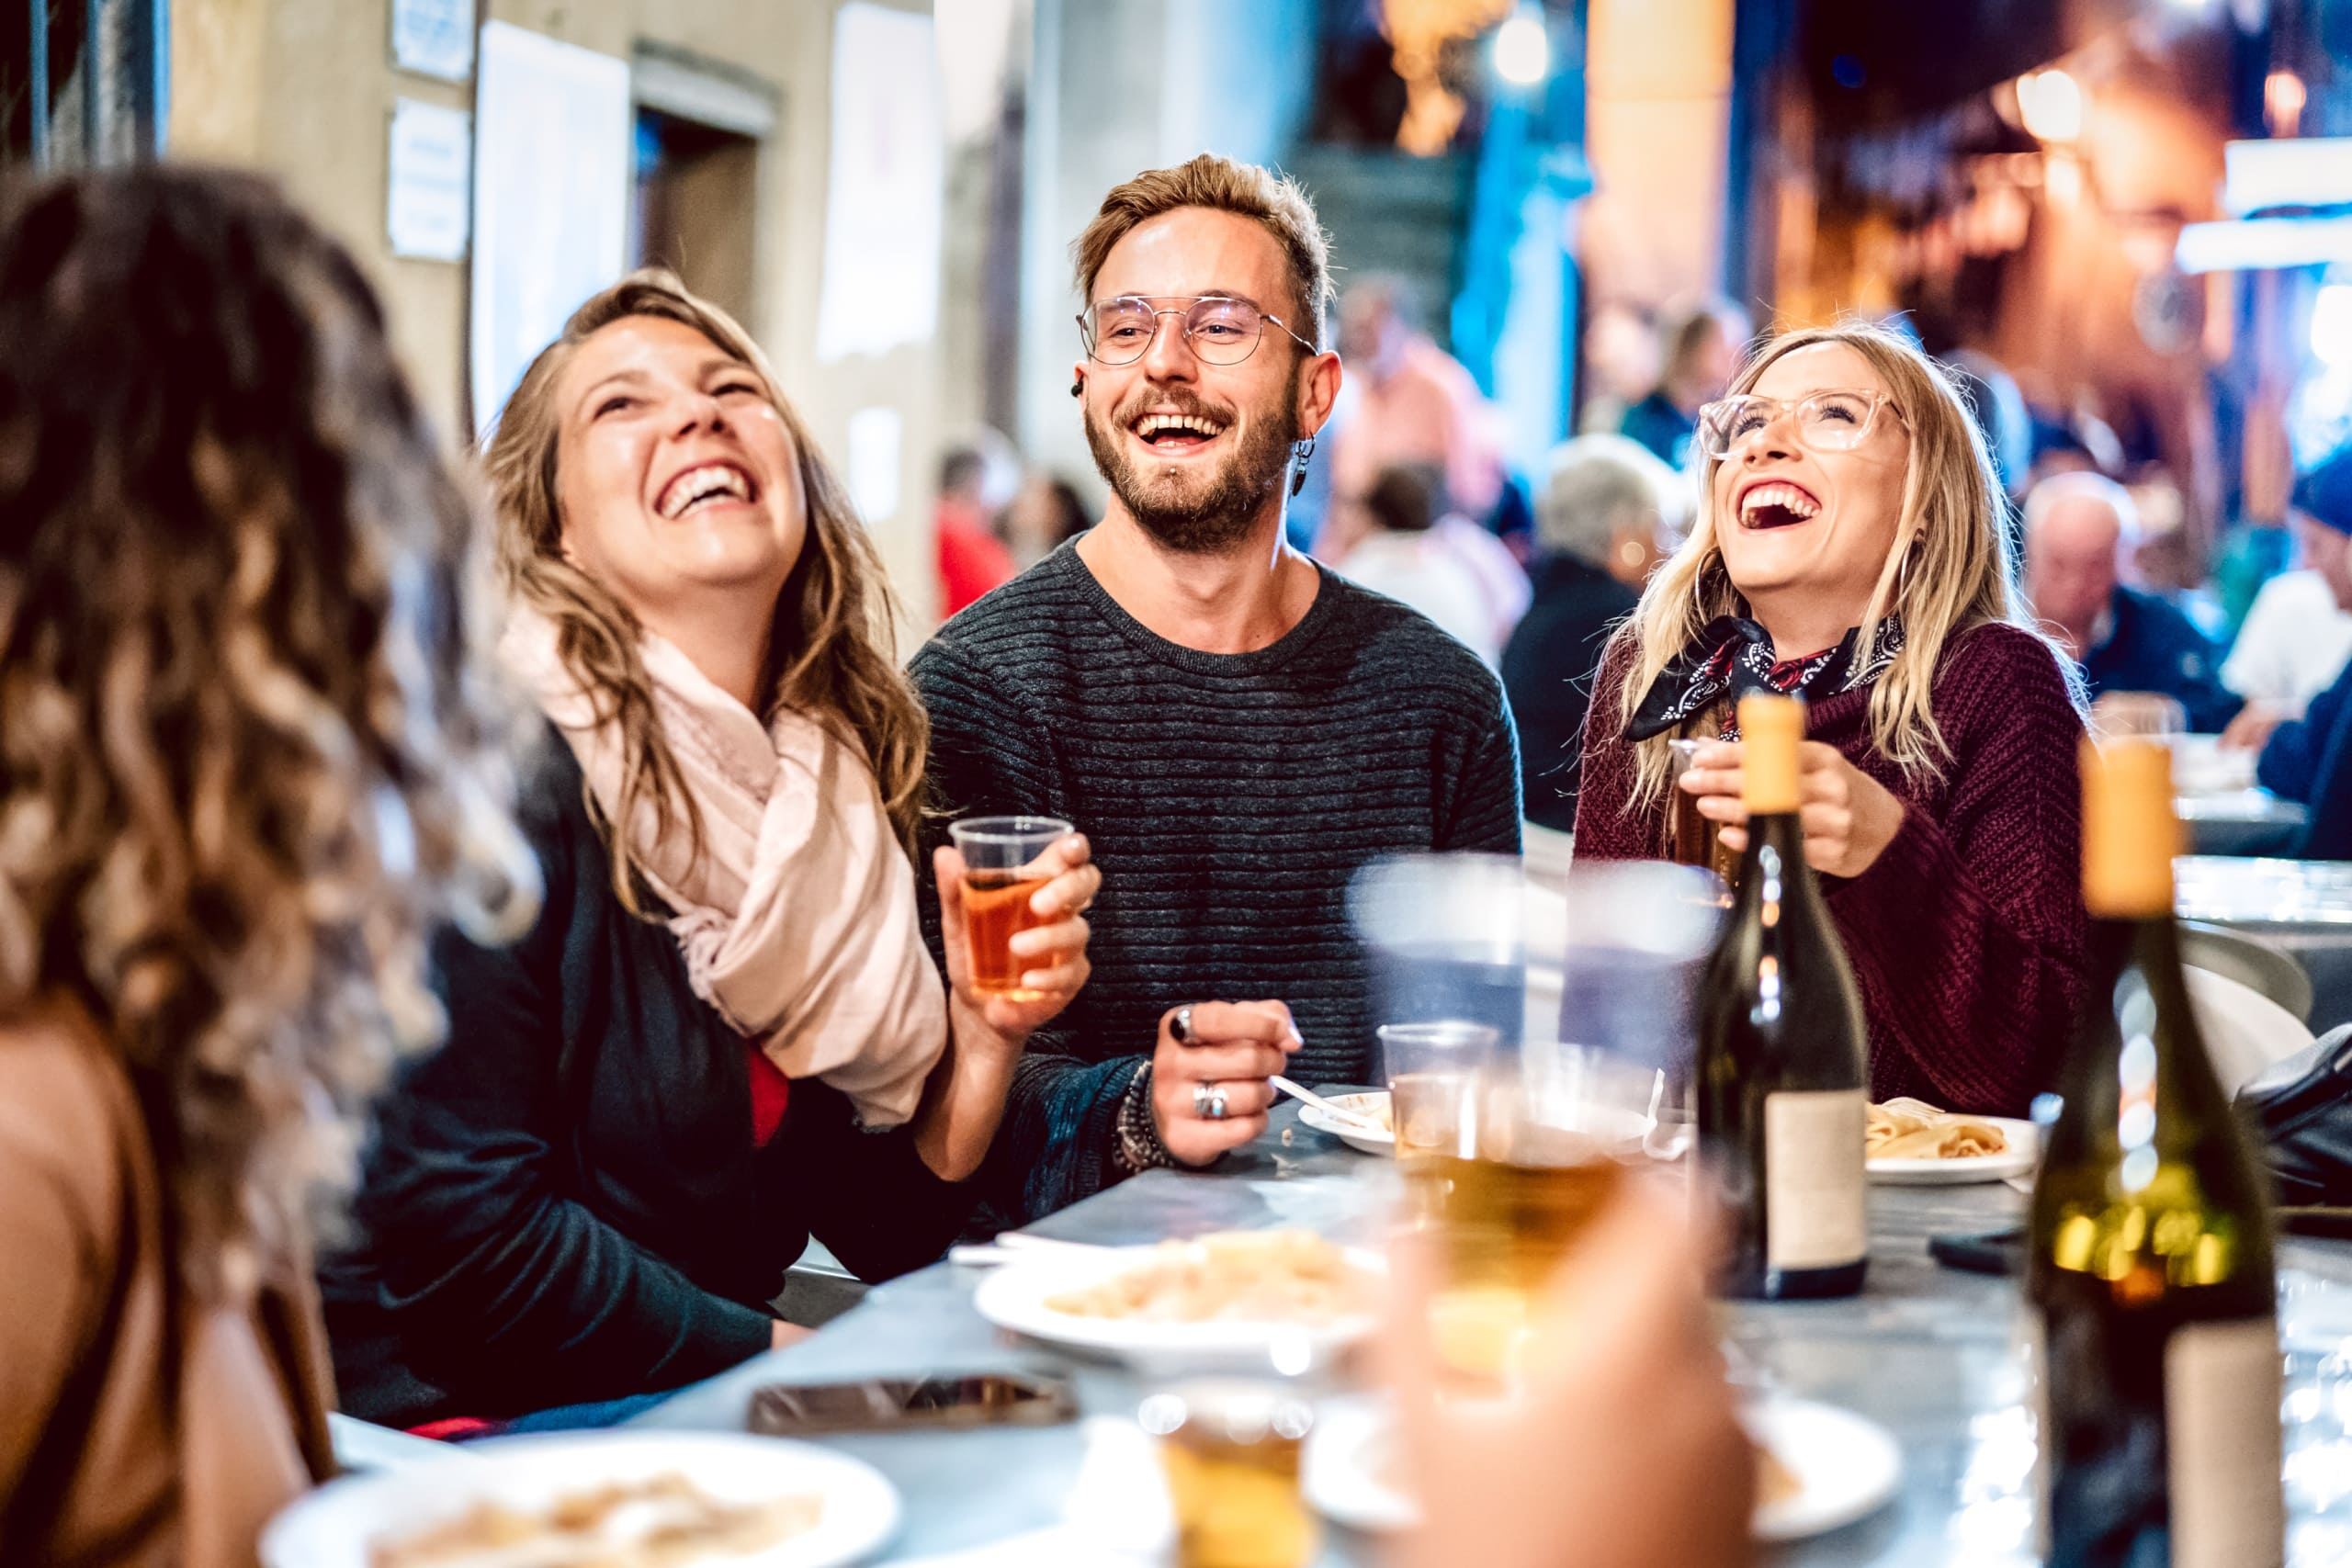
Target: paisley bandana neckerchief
<point x="1732" y="657"/>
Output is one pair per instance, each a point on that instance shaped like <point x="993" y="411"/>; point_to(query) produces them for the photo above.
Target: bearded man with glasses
<point x="1235" y="729"/>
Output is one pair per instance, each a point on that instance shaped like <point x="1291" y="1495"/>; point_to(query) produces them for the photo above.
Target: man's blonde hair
<point x="1275" y="202"/>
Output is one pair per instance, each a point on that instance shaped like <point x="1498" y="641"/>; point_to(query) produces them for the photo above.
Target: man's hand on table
<point x="1217" y="1056"/>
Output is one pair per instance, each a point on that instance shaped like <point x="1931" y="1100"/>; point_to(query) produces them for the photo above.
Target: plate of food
<point x="1233" y="1294"/>
<point x="614" y="1499"/>
<point x="1819" y="1468"/>
<point x="1913" y="1144"/>
<point x="1372" y="1104"/>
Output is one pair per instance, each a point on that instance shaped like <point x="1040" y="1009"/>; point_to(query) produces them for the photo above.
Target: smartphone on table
<point x="950" y="1403"/>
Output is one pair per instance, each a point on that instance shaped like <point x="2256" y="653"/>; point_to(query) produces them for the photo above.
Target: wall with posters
<point x="308" y="92"/>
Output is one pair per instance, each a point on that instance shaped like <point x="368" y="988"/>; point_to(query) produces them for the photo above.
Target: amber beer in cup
<point x="1004" y="869"/>
<point x="1697" y="841"/>
<point x="1230" y="1451"/>
<point x="1545" y="1141"/>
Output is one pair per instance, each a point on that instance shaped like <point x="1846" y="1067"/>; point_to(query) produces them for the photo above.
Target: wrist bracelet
<point x="1139" y="1147"/>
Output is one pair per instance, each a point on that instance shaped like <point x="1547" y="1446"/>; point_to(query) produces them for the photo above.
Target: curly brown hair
<point x="246" y="763"/>
<point x="829" y="649"/>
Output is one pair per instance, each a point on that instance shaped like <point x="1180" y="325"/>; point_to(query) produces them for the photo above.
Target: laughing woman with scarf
<point x="724" y="1034"/>
<point x="1850" y="551"/>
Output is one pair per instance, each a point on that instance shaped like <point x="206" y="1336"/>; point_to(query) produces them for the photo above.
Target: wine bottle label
<point x="1814" y="1214"/>
<point x="2222" y="1445"/>
<point x="2033" y="1330"/>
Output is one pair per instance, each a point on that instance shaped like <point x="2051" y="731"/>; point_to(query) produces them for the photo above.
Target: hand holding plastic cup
<point x="1005" y="867"/>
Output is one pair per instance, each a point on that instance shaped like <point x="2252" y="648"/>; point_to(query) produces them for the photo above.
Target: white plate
<point x="1374" y="1104"/>
<point x="1847" y="1466"/>
<point x="1014" y="1298"/>
<point x="335" y="1526"/>
<point x="2016" y="1160"/>
<point x="1348" y="1471"/>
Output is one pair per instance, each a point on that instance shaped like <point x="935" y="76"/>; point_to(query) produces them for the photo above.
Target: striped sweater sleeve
<point x="990" y="756"/>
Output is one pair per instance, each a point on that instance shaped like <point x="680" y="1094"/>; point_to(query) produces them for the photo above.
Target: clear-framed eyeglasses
<point x="1825" y="421"/>
<point x="1221" y="330"/>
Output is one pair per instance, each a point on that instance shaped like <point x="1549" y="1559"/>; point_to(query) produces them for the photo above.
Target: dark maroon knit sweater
<point x="1966" y="935"/>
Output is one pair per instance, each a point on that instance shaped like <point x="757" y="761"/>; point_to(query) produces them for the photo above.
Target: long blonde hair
<point x="248" y="759"/>
<point x="827" y="652"/>
<point x="1951" y="568"/>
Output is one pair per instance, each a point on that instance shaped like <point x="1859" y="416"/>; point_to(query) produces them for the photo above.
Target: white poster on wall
<point x="429" y="182"/>
<point x="882" y="186"/>
<point x="434" y="38"/>
<point x="552" y="179"/>
<point x="874" y="437"/>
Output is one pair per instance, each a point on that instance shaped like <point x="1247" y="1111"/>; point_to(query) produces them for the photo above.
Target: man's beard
<point x="1197" y="517"/>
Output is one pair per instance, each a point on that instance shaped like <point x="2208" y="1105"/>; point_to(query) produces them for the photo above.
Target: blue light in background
<point x="1848" y="72"/>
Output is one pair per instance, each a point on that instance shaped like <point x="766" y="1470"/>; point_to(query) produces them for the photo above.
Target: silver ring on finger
<point x="1180" y="1028"/>
<point x="1209" y="1101"/>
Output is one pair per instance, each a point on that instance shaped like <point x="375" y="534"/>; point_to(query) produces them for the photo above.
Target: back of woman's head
<point x="244" y="763"/>
<point x="828" y="653"/>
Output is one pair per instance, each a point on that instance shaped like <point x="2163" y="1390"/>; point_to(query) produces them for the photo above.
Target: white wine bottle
<point x="1783" y="1057"/>
<point x="2150" y="1286"/>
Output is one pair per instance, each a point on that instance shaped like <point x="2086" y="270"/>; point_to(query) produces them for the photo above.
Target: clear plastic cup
<point x="1004" y="869"/>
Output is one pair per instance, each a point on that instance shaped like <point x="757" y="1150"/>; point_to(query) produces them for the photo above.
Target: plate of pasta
<point x="597" y="1500"/>
<point x="1233" y="1294"/>
<point x="1819" y="1468"/>
<point x="1909" y="1143"/>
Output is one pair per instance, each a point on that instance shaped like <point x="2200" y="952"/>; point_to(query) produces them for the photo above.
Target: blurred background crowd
<point x="1558" y="224"/>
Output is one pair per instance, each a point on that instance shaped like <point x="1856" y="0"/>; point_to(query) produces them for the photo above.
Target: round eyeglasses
<point x="1219" y="329"/>
<point x="1826" y="421"/>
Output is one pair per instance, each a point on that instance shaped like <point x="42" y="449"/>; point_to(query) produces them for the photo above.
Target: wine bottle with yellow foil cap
<point x="2151" y="1288"/>
<point x="1783" y="1058"/>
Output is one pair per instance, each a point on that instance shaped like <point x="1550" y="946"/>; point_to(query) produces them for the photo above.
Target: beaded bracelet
<point x="1140" y="1148"/>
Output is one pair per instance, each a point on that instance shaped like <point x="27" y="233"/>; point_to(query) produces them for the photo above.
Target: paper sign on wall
<point x="874" y="436"/>
<point x="553" y="172"/>
<point x="882" y="186"/>
<point x="434" y="38"/>
<point x="430" y="181"/>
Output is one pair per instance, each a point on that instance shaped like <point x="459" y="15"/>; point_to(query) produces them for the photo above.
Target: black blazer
<point x="1548" y="666"/>
<point x="563" y="1204"/>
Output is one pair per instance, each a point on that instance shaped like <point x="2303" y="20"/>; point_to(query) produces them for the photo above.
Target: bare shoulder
<point x="68" y="1115"/>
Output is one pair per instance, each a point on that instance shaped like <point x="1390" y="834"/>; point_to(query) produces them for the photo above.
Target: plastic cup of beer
<point x="1431" y="1069"/>
<point x="1697" y="841"/>
<point x="1229" y="1449"/>
<point x="1004" y="868"/>
<point x="1549" y="1138"/>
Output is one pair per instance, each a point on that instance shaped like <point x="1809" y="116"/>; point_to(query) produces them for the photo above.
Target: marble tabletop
<point x="1927" y="1352"/>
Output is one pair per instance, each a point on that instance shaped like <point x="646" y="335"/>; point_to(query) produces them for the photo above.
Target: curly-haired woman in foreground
<point x="242" y="770"/>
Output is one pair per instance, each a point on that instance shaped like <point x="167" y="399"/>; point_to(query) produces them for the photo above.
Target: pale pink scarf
<point x="797" y="919"/>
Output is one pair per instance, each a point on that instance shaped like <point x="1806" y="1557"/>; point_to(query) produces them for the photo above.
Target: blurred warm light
<point x="2332" y="325"/>
<point x="2051" y="105"/>
<point x="2282" y="102"/>
<point x="2063" y="180"/>
<point x="2005" y="103"/>
<point x="1418" y="31"/>
<point x="1523" y="49"/>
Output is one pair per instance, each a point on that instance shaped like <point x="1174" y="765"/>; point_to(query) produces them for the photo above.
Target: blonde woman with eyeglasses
<point x="1850" y="550"/>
